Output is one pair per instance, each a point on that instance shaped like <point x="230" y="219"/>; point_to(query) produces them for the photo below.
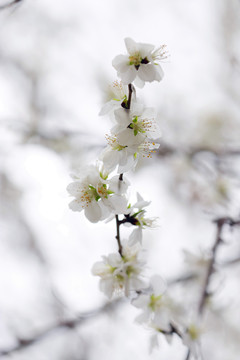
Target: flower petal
<point x="93" y="212"/>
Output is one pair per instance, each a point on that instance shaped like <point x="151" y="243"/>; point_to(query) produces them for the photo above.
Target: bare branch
<point x="220" y="223"/>
<point x="12" y="3"/>
<point x="24" y="343"/>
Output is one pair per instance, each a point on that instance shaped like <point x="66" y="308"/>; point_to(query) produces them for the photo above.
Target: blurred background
<point x="55" y="68"/>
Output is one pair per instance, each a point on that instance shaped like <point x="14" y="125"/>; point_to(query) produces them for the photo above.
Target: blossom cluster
<point x="102" y="191"/>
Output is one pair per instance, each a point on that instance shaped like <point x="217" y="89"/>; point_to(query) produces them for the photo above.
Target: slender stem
<point x="2" y="7"/>
<point x="130" y="91"/>
<point x="188" y="355"/>
<point x="118" y="223"/>
<point x="127" y="104"/>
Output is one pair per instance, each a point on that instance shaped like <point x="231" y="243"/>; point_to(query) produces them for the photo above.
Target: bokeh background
<point x="55" y="68"/>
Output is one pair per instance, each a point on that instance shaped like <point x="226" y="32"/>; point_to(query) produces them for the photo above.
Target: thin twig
<point x="220" y="224"/>
<point x="168" y="150"/>
<point x="188" y="354"/>
<point x="118" y="223"/>
<point x="14" y="2"/>
<point x="23" y="343"/>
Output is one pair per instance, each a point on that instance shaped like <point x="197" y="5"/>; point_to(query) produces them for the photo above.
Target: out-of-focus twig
<point x="168" y="150"/>
<point x="10" y="4"/>
<point x="23" y="343"/>
<point x="220" y="223"/>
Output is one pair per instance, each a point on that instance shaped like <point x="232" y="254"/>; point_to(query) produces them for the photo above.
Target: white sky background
<point x="55" y="64"/>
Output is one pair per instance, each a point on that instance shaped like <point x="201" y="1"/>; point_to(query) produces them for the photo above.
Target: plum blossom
<point x="96" y="195"/>
<point x="137" y="211"/>
<point x="141" y="64"/>
<point x="118" y="95"/>
<point x="156" y="306"/>
<point x="120" y="274"/>
<point x="135" y="125"/>
<point x="125" y="157"/>
<point x="191" y="338"/>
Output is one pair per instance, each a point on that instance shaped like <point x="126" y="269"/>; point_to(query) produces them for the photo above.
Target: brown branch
<point x="127" y="104"/>
<point x="24" y="343"/>
<point x="220" y="223"/>
<point x="6" y="6"/>
<point x="118" y="223"/>
<point x="168" y="150"/>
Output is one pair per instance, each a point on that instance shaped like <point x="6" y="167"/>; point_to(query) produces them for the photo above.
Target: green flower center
<point x="137" y="60"/>
<point x="155" y="301"/>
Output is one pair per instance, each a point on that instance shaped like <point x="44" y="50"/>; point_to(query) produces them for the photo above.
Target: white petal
<point x="76" y="205"/>
<point x="122" y="117"/>
<point x="139" y="82"/>
<point x="127" y="138"/>
<point x="136" y="236"/>
<point x="131" y="45"/>
<point x="119" y="62"/>
<point x="127" y="74"/>
<point x="129" y="165"/>
<point x="99" y="268"/>
<point x="107" y="287"/>
<point x="93" y="212"/>
<point x="114" y="259"/>
<point x="146" y="72"/>
<point x="158" y="284"/>
<point x="75" y="188"/>
<point x="145" y="49"/>
<point x="153" y="343"/>
<point x="159" y="73"/>
<point x="108" y="156"/>
<point x="141" y="302"/>
<point x="119" y="204"/>
<point x="109" y="106"/>
<point x="118" y="186"/>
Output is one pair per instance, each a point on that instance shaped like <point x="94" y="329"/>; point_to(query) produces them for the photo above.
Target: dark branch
<point x="118" y="223"/>
<point x="12" y="3"/>
<point x="220" y="223"/>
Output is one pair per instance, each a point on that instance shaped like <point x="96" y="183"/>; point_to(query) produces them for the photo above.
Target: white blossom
<point x="135" y="125"/>
<point x="125" y="157"/>
<point x="156" y="306"/>
<point x="141" y="64"/>
<point x="120" y="274"/>
<point x="138" y="212"/>
<point x="118" y="93"/>
<point x="191" y="338"/>
<point x="96" y="195"/>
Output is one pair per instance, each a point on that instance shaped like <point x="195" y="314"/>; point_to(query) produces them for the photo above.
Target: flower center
<point x="155" y="302"/>
<point x="193" y="332"/>
<point x="103" y="191"/>
<point x="112" y="141"/>
<point x="136" y="60"/>
<point x="140" y="125"/>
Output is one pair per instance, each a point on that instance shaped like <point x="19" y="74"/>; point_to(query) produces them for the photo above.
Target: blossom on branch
<point x="135" y="125"/>
<point x="141" y="64"/>
<point x="156" y="306"/>
<point x="120" y="274"/>
<point x="137" y="211"/>
<point x="96" y="195"/>
<point x="118" y="95"/>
